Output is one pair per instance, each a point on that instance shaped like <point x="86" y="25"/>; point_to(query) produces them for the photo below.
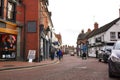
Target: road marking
<point x="82" y="67"/>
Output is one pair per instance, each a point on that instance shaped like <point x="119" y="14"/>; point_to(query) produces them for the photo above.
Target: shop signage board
<point x="31" y="55"/>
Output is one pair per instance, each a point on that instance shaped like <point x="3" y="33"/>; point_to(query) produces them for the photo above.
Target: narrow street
<point x="70" y="68"/>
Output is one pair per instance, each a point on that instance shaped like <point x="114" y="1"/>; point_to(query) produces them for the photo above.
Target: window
<point x="119" y="35"/>
<point x="112" y="36"/>
<point x="1" y="8"/>
<point x="11" y="11"/>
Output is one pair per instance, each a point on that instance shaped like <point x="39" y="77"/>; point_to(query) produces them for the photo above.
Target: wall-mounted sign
<point x="31" y="26"/>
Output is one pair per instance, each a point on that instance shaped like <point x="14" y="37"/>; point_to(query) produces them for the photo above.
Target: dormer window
<point x="11" y="11"/>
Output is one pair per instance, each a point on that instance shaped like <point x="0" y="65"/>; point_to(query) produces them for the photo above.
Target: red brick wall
<point x="31" y="14"/>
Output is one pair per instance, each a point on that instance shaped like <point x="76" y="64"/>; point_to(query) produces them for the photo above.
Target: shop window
<point x="31" y="26"/>
<point x="8" y="46"/>
<point x="11" y="11"/>
<point x="1" y="8"/>
<point x="112" y="36"/>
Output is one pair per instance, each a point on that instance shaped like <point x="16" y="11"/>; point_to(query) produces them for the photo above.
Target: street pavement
<point x="8" y="65"/>
<point x="69" y="68"/>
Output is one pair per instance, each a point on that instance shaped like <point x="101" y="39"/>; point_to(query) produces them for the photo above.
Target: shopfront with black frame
<point x="44" y="44"/>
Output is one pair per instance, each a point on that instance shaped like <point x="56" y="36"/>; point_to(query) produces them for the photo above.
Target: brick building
<point x="35" y="24"/>
<point x="25" y="25"/>
<point x="8" y="30"/>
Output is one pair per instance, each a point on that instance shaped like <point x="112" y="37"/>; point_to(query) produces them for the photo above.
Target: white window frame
<point x="112" y="35"/>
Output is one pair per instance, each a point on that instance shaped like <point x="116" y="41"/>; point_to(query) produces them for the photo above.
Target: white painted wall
<point x="105" y="36"/>
<point x="114" y="28"/>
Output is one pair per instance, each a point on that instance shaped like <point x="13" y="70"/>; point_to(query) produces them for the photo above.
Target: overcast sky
<point x="69" y="17"/>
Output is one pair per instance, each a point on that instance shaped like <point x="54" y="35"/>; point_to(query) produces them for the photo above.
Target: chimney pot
<point x="82" y="31"/>
<point x="95" y="25"/>
<point x="89" y="30"/>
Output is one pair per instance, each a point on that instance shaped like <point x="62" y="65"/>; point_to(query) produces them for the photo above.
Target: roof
<point x="103" y="28"/>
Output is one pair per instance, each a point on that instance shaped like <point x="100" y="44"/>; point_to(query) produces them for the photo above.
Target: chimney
<point x="89" y="30"/>
<point x="82" y="31"/>
<point x="95" y="25"/>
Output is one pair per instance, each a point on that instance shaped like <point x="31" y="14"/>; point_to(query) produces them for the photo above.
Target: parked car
<point x="114" y="61"/>
<point x="104" y="53"/>
<point x="71" y="52"/>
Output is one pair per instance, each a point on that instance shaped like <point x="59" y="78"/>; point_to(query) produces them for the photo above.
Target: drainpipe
<point x="24" y="32"/>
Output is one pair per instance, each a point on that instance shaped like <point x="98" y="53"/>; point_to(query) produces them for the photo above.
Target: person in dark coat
<point x="59" y="54"/>
<point x="52" y="53"/>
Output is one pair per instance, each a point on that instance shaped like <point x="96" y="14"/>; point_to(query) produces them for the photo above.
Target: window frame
<point x="13" y="12"/>
<point x="1" y="8"/>
<point x="113" y="36"/>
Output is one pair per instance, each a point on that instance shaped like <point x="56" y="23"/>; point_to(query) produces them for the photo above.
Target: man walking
<point x="84" y="50"/>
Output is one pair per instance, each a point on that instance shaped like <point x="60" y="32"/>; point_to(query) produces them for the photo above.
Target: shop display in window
<point x="8" y="46"/>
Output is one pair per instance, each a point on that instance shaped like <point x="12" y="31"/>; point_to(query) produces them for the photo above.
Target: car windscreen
<point x="117" y="46"/>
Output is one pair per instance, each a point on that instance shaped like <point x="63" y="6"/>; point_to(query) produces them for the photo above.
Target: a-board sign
<point x="31" y="54"/>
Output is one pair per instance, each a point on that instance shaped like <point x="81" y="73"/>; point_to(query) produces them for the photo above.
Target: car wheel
<point x="110" y="74"/>
<point x="109" y="71"/>
<point x="105" y="58"/>
<point x="105" y="61"/>
<point x="99" y="60"/>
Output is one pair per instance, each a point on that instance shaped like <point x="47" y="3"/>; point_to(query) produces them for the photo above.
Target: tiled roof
<point x="103" y="28"/>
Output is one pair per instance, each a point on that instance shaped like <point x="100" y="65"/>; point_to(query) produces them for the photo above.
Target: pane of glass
<point x="0" y="3"/>
<point x="10" y="6"/>
<point x="112" y="35"/>
<point x="10" y="15"/>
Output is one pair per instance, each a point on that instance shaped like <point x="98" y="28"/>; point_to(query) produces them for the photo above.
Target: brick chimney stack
<point x="89" y="30"/>
<point x="95" y="25"/>
<point x="82" y="31"/>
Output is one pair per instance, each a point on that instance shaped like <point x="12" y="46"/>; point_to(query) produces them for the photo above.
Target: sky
<point x="69" y="17"/>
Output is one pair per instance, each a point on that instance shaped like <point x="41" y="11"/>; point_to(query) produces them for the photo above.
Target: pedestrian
<point x="41" y="56"/>
<point x="96" y="53"/>
<point x="52" y="54"/>
<point x="84" y="50"/>
<point x="59" y="54"/>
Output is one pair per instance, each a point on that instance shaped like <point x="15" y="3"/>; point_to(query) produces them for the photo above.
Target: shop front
<point x="8" y="41"/>
<point x="44" y="44"/>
